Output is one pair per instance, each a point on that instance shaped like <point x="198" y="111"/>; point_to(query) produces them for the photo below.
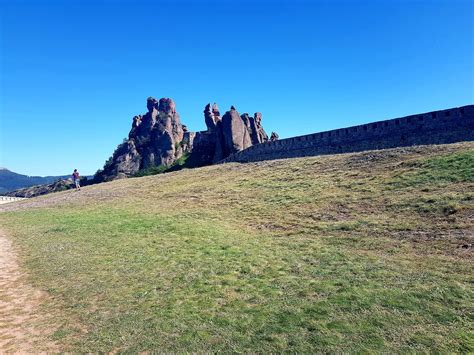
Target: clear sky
<point x="74" y="73"/>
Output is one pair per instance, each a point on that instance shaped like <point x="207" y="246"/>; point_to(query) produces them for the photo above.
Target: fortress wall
<point x="8" y="199"/>
<point x="438" y="127"/>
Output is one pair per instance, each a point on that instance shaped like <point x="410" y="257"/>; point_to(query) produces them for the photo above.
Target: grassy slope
<point x="351" y="252"/>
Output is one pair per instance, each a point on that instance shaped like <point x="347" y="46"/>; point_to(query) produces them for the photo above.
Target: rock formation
<point x="254" y="127"/>
<point x="159" y="138"/>
<point x="235" y="132"/>
<point x="258" y="134"/>
<point x="212" y="116"/>
<point x="38" y="190"/>
<point x="227" y="135"/>
<point x="156" y="135"/>
<point x="156" y="138"/>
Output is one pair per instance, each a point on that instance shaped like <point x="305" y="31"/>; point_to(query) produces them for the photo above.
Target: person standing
<point x="75" y="179"/>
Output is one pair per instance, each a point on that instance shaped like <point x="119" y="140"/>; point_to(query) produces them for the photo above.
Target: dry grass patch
<point x="353" y="252"/>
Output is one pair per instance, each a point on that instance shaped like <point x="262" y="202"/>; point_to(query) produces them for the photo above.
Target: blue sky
<point x="74" y="73"/>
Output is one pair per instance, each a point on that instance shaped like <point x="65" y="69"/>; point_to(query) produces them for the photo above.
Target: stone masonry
<point x="438" y="127"/>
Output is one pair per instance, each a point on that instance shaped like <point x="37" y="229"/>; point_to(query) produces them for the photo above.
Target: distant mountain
<point x="38" y="190"/>
<point x="10" y="181"/>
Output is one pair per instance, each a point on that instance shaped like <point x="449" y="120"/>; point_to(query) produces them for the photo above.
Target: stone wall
<point x="438" y="127"/>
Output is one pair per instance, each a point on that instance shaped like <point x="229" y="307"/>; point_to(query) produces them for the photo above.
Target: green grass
<point x="457" y="167"/>
<point x="160" y="169"/>
<point x="302" y="255"/>
<point x="153" y="170"/>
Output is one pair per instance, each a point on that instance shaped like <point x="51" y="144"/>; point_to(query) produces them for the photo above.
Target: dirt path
<point x="22" y="326"/>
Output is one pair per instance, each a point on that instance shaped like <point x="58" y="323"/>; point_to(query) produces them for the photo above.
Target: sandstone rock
<point x="203" y="148"/>
<point x="215" y="110"/>
<point x="167" y="106"/>
<point x="188" y="141"/>
<point x="159" y="138"/>
<point x="124" y="162"/>
<point x="156" y="138"/>
<point x="235" y="132"/>
<point x="245" y="117"/>
<point x="151" y="104"/>
<point x="226" y="135"/>
<point x="212" y="116"/>
<point x="258" y="134"/>
<point x="254" y="127"/>
<point x="220" y="152"/>
<point x="274" y="137"/>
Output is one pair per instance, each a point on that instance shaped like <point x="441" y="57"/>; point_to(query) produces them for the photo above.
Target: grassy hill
<point x="355" y="252"/>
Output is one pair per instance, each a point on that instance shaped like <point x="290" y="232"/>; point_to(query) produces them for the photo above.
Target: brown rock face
<point x="254" y="127"/>
<point x="154" y="139"/>
<point x="167" y="106"/>
<point x="258" y="134"/>
<point x="245" y="117"/>
<point x="227" y="135"/>
<point x="212" y="116"/>
<point x="235" y="131"/>
<point x="159" y="138"/>
<point x="151" y="103"/>
<point x="126" y="160"/>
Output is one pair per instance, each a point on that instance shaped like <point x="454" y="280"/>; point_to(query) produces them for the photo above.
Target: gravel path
<point x="20" y="317"/>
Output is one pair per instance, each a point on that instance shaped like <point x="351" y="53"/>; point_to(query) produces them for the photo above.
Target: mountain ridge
<point x="10" y="180"/>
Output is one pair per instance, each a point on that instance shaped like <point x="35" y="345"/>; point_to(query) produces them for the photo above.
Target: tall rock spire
<point x="155" y="139"/>
<point x="158" y="138"/>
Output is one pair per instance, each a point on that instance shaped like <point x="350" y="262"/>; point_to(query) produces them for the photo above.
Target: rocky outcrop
<point x="235" y="131"/>
<point x="11" y="181"/>
<point x="227" y="135"/>
<point x="254" y="127"/>
<point x="258" y="134"/>
<point x="158" y="138"/>
<point x="212" y="116"/>
<point x="38" y="190"/>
